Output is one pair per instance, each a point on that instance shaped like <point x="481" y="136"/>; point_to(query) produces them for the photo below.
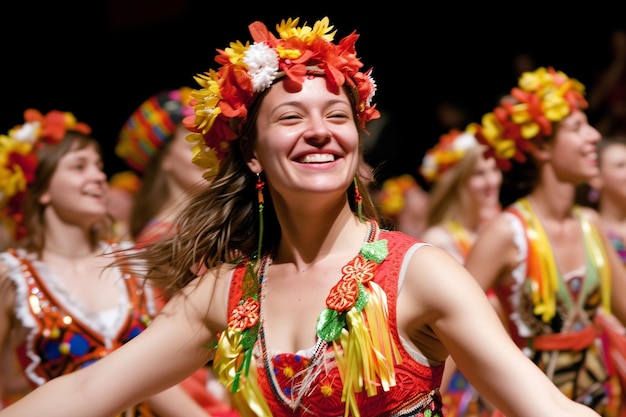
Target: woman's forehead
<point x="313" y="87"/>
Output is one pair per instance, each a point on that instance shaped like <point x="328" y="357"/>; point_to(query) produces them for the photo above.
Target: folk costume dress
<point x="355" y="369"/>
<point x="60" y="335"/>
<point x="551" y="314"/>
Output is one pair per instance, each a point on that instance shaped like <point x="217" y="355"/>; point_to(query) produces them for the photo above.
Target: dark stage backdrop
<point x="100" y="59"/>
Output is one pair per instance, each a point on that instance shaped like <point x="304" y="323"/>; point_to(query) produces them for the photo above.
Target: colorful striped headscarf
<point x="151" y="126"/>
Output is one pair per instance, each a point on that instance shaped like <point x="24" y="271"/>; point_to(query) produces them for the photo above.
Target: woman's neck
<point x="306" y="239"/>
<point x="553" y="203"/>
<point x="612" y="210"/>
<point x="75" y="243"/>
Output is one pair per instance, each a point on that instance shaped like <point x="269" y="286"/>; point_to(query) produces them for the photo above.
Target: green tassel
<point x="358" y="199"/>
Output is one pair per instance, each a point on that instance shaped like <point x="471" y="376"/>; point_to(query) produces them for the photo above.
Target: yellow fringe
<point x="545" y="281"/>
<point x="546" y="285"/>
<point x="248" y="399"/>
<point x="368" y="353"/>
<point x="598" y="255"/>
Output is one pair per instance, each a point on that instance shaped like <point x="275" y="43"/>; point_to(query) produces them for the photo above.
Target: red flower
<point x="343" y="295"/>
<point x="359" y="269"/>
<point x="245" y="315"/>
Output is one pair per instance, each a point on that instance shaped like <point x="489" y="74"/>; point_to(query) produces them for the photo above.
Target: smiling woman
<point x="63" y="309"/>
<point x="281" y="273"/>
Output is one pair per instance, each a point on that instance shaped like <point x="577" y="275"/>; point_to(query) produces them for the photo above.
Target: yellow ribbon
<point x="544" y="274"/>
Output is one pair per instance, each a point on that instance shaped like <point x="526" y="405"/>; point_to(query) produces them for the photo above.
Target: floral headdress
<point x="450" y="149"/>
<point x="18" y="159"/>
<point x="542" y="98"/>
<point x="392" y="194"/>
<point x="221" y="105"/>
<point x="128" y="181"/>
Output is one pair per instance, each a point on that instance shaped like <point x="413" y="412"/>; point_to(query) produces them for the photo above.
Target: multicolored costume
<point x="312" y="384"/>
<point x="62" y="336"/>
<point x="551" y="315"/>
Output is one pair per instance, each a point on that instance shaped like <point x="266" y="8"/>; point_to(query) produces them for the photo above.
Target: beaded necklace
<point x="318" y="350"/>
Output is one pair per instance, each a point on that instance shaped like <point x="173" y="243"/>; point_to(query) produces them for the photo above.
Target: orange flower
<point x="343" y="295"/>
<point x="359" y="269"/>
<point x="221" y="105"/>
<point x="245" y="315"/>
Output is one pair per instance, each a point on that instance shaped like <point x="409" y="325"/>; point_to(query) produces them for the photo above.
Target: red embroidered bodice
<point x="60" y="341"/>
<point x="416" y="390"/>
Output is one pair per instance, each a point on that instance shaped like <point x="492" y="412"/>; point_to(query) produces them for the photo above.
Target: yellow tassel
<point x="247" y="398"/>
<point x="545" y="286"/>
<point x="545" y="299"/>
<point x="595" y="248"/>
<point x="367" y="353"/>
<point x="386" y="351"/>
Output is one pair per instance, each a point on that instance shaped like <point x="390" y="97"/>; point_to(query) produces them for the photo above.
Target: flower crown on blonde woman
<point x="449" y="150"/>
<point x="18" y="159"/>
<point x="543" y="97"/>
<point x="221" y="105"/>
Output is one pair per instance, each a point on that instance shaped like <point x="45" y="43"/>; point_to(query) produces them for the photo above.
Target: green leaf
<point x="330" y="324"/>
<point x="362" y="298"/>
<point x="249" y="336"/>
<point x="375" y="251"/>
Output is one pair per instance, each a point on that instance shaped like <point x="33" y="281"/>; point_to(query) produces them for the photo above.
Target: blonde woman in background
<point x="464" y="195"/>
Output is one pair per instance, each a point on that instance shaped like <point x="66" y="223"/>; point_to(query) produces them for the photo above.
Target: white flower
<point x="429" y="165"/>
<point x="28" y="132"/>
<point x="464" y="142"/>
<point x="370" y="97"/>
<point x="262" y="62"/>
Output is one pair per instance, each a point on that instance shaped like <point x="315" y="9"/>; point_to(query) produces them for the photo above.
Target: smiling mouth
<point x="317" y="158"/>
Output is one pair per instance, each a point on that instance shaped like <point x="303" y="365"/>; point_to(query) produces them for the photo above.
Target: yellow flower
<point x="555" y="107"/>
<point x="288" y="29"/>
<point x="221" y="104"/>
<point x="492" y="130"/>
<point x="236" y="52"/>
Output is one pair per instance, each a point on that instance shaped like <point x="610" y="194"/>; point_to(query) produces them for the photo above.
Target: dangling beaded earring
<point x="259" y="188"/>
<point x="358" y="199"/>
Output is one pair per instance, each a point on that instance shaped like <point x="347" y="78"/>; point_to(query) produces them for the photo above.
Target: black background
<point x="101" y="59"/>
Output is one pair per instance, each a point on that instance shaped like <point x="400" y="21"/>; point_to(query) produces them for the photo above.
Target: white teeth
<point x="318" y="158"/>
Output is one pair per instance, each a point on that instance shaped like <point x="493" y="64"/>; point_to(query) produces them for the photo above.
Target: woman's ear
<point x="44" y="199"/>
<point x="254" y="165"/>
<point x="250" y="155"/>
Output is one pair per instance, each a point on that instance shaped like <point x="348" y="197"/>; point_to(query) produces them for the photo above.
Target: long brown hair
<point x="221" y="223"/>
<point x="48" y="160"/>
